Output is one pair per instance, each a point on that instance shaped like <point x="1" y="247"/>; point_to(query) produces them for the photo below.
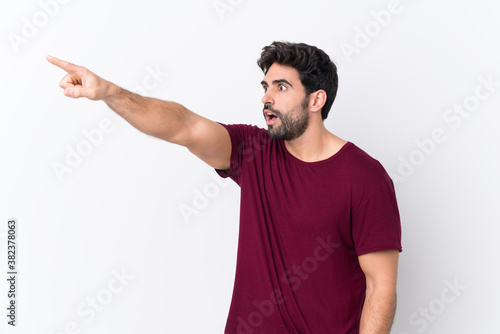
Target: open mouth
<point x="271" y="118"/>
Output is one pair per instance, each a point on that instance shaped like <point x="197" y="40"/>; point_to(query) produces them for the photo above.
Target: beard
<point x="293" y="124"/>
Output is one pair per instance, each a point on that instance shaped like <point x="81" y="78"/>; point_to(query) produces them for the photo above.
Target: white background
<point x="120" y="207"/>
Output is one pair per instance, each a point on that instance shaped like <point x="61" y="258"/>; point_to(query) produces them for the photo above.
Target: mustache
<point x="268" y="107"/>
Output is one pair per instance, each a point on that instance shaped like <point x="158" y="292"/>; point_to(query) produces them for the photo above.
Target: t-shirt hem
<point x="379" y="249"/>
<point x="225" y="173"/>
<point x="296" y="160"/>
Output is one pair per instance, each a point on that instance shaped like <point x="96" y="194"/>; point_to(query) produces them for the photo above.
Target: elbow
<point x="382" y="289"/>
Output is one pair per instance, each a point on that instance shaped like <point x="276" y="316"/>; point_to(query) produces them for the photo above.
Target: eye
<point x="265" y="88"/>
<point x="282" y="87"/>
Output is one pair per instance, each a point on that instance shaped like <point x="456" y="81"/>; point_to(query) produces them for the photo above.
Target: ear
<point x="317" y="100"/>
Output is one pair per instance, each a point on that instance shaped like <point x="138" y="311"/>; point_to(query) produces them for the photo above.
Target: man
<point x="320" y="233"/>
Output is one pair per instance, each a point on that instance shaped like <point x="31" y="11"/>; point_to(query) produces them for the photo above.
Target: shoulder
<point x="361" y="167"/>
<point x="245" y="136"/>
<point x="243" y="129"/>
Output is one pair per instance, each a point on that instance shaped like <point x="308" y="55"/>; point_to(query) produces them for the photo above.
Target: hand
<point x="80" y="82"/>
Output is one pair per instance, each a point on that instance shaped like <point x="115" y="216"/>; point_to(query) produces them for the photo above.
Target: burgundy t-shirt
<point x="302" y="227"/>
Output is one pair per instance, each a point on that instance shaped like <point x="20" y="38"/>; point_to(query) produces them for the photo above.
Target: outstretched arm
<point x="380" y="269"/>
<point x="166" y="120"/>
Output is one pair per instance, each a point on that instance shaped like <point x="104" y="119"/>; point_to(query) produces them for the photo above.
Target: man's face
<point x="285" y="103"/>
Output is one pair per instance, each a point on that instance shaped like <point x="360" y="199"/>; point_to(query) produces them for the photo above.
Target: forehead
<point x="278" y="71"/>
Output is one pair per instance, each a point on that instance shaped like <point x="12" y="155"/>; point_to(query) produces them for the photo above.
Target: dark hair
<point x="316" y="70"/>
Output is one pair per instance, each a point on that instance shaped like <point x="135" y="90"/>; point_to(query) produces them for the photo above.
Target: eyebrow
<point x="277" y="81"/>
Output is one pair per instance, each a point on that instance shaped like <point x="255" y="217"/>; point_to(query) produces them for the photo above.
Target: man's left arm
<point x="380" y="269"/>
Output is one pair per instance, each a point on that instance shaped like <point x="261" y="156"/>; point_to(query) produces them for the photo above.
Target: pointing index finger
<point x="67" y="66"/>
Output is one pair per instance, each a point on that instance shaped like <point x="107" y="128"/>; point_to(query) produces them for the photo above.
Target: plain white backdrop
<point x="123" y="233"/>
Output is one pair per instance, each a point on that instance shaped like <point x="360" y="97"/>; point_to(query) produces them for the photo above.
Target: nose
<point x="268" y="97"/>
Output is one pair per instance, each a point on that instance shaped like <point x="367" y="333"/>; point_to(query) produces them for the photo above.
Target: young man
<point x="320" y="233"/>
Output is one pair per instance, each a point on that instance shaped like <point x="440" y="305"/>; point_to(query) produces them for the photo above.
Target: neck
<point x="315" y="144"/>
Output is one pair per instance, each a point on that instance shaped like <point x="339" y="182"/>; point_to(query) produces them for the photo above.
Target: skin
<point x="210" y="141"/>
<point x="293" y="124"/>
<point x="316" y="143"/>
<point x="162" y="119"/>
<point x="380" y="269"/>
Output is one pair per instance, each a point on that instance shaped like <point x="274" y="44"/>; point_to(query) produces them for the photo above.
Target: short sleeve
<point x="376" y="224"/>
<point x="240" y="135"/>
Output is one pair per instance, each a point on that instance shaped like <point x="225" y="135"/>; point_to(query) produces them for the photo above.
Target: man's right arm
<point x="170" y="121"/>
